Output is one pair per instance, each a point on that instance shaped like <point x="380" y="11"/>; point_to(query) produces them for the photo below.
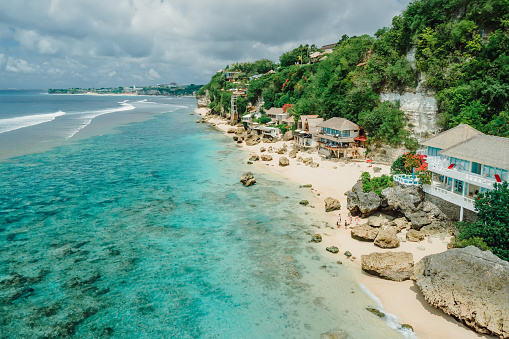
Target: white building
<point x="464" y="162"/>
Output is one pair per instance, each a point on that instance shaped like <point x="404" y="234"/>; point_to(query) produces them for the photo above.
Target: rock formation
<point x="387" y="238"/>
<point x="283" y="161"/>
<point x="332" y="204"/>
<point x="397" y="266"/>
<point x="248" y="179"/>
<point x="288" y="136"/>
<point x="293" y="153"/>
<point x="469" y="284"/>
<point x="414" y="235"/>
<point x="266" y="157"/>
<point x="364" y="232"/>
<point x="360" y="203"/>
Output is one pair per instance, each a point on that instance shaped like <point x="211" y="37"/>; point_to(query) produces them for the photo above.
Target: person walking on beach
<point x="339" y="221"/>
<point x="346" y="225"/>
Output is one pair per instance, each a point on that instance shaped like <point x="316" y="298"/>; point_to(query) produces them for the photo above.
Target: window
<point x="458" y="186"/>
<point x="346" y="134"/>
<point x="476" y="168"/>
<point x="490" y="172"/>
<point x="433" y="152"/>
<point x="461" y="165"/>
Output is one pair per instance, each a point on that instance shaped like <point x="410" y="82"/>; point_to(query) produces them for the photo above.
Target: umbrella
<point x="369" y="161"/>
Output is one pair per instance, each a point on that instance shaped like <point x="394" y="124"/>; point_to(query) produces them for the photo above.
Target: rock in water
<point x="397" y="266"/>
<point x="387" y="238"/>
<point x="316" y="238"/>
<point x="469" y="284"/>
<point x="304" y="202"/>
<point x="332" y="249"/>
<point x="336" y="333"/>
<point x="283" y="161"/>
<point x="332" y="204"/>
<point x="248" y="179"/>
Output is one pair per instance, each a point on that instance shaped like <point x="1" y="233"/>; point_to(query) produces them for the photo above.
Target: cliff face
<point x="203" y="101"/>
<point x="420" y="108"/>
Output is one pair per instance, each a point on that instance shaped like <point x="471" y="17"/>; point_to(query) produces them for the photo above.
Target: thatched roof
<point x="452" y="137"/>
<point x="483" y="149"/>
<point x="339" y="124"/>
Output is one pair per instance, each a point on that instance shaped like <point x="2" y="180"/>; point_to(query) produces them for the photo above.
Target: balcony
<point x="439" y="165"/>
<point x="451" y="197"/>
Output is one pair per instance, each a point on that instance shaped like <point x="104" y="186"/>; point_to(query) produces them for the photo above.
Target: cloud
<point x="86" y="41"/>
<point x="153" y="74"/>
<point x="20" y="66"/>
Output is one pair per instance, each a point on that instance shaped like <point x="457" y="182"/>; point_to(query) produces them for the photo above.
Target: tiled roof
<point x="452" y="137"/>
<point x="483" y="149"/>
<point x="340" y="124"/>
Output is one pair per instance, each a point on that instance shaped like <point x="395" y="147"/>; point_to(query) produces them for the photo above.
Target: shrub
<point x="376" y="184"/>
<point x="474" y="241"/>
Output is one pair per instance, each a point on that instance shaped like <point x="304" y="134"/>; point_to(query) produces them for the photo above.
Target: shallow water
<point x="147" y="233"/>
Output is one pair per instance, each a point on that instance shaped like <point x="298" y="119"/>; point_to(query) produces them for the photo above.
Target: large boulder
<point x="252" y="142"/>
<point x="288" y="136"/>
<point x="397" y="266"/>
<point x="469" y="284"/>
<point x="293" y="153"/>
<point x="360" y="203"/>
<point x="377" y="221"/>
<point x="332" y="204"/>
<point x="364" y="232"/>
<point x="403" y="199"/>
<point x="414" y="235"/>
<point x="307" y="161"/>
<point x="418" y="219"/>
<point x="247" y="179"/>
<point x="400" y="224"/>
<point x="387" y="238"/>
<point x="254" y="157"/>
<point x="266" y="157"/>
<point x="283" y="161"/>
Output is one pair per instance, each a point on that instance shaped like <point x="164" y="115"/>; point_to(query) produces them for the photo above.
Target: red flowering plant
<point x="415" y="164"/>
<point x="286" y="107"/>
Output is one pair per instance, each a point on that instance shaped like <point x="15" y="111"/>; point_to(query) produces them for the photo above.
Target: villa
<point x="277" y="115"/>
<point x="340" y="137"/>
<point x="307" y="128"/>
<point x="464" y="162"/>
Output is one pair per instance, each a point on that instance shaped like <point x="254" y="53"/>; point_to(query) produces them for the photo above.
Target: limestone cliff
<point x="203" y="101"/>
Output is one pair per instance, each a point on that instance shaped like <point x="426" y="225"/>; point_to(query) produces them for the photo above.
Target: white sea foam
<point x="11" y="124"/>
<point x="87" y="117"/>
<point x="390" y="319"/>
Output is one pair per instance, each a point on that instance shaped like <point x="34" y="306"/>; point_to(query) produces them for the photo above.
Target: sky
<point x="110" y="43"/>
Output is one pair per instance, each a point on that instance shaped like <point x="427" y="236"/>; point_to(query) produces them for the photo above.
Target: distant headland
<point x="172" y="89"/>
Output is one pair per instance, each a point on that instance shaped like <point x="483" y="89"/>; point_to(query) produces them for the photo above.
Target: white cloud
<point x="112" y="73"/>
<point x="153" y="74"/>
<point x="20" y="66"/>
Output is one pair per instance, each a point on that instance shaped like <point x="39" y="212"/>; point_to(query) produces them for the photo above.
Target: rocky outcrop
<point x="247" y="179"/>
<point x="332" y="204"/>
<point x="469" y="284"/>
<point x="283" y="161"/>
<point x="387" y="238"/>
<point x="332" y="249"/>
<point x="360" y="203"/>
<point x="420" y="108"/>
<point x="397" y="266"/>
<point x="414" y="235"/>
<point x="254" y="157"/>
<point x="316" y="238"/>
<point x="288" y="136"/>
<point x="266" y="157"/>
<point x="364" y="232"/>
<point x="398" y="200"/>
<point x="203" y="101"/>
<point x="377" y="221"/>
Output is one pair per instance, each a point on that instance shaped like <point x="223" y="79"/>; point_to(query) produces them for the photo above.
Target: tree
<point x="493" y="223"/>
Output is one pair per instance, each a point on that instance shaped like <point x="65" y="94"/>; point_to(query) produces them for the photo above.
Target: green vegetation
<point x="169" y="90"/>
<point x="411" y="163"/>
<point x="493" y="223"/>
<point x="460" y="49"/>
<point x="475" y="241"/>
<point x="376" y="184"/>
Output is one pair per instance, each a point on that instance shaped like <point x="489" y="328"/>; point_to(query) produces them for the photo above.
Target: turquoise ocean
<point x="121" y="217"/>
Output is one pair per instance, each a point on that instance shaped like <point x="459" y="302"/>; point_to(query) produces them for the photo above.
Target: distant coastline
<point x="171" y="89"/>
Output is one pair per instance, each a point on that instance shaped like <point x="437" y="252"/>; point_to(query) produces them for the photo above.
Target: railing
<point x="451" y="197"/>
<point x="440" y="166"/>
<point x="406" y="179"/>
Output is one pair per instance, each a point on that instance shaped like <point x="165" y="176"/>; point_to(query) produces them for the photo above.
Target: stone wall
<point x="451" y="210"/>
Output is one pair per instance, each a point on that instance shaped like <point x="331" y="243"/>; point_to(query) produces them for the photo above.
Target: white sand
<point x="334" y="179"/>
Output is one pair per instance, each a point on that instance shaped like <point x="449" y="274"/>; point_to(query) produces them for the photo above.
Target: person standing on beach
<point x="339" y="221"/>
<point x="346" y="225"/>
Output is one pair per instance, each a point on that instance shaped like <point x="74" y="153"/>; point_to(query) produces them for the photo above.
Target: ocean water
<point x="122" y="217"/>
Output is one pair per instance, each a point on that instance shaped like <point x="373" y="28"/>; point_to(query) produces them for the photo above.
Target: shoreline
<point x="334" y="179"/>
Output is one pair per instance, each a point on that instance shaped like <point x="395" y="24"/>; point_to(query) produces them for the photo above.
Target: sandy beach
<point x="334" y="179"/>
